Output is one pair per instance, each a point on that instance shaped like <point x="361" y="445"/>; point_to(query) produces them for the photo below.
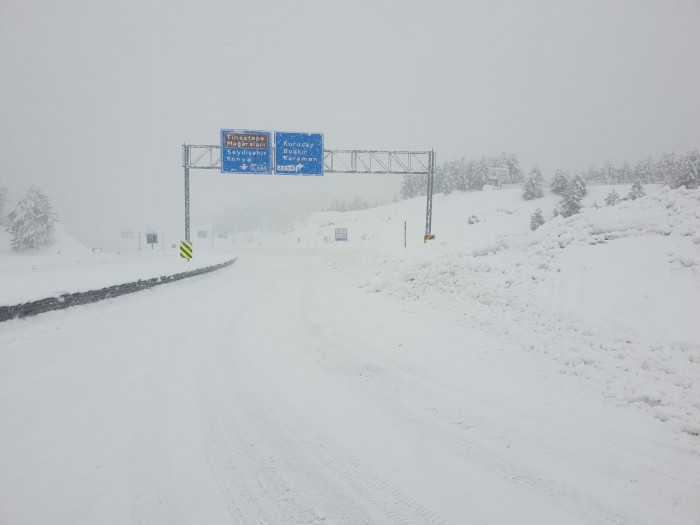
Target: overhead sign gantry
<point x="287" y="153"/>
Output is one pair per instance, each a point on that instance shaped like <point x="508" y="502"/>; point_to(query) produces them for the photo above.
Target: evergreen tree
<point x="570" y="203"/>
<point x="536" y="174"/>
<point x="688" y="172"/>
<point x="31" y="223"/>
<point x="560" y="182"/>
<point x="612" y="199"/>
<point x="593" y="174"/>
<point x="532" y="189"/>
<point x="536" y="219"/>
<point x="579" y="186"/>
<point x="625" y="173"/>
<point x="668" y="167"/>
<point x="478" y="174"/>
<point x="510" y="161"/>
<point x="636" y="191"/>
<point x="413" y="185"/>
<point x="644" y="171"/>
<point x="608" y="173"/>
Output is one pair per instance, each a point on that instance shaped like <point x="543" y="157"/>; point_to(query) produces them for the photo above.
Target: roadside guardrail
<point x="74" y="299"/>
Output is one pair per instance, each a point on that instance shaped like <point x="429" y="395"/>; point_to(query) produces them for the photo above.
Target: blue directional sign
<point x="245" y="151"/>
<point x="298" y="153"/>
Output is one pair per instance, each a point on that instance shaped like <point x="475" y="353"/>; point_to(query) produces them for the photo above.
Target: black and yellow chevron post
<point x="186" y="249"/>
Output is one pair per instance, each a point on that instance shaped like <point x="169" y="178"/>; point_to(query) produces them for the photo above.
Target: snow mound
<point x="610" y="296"/>
<point x="62" y="243"/>
<point x="66" y="266"/>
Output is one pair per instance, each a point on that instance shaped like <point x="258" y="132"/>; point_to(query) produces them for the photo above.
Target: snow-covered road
<point x="276" y="391"/>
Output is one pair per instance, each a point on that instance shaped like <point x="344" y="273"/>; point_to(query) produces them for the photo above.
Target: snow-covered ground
<point x="495" y="375"/>
<point x="68" y="267"/>
<point x="612" y="295"/>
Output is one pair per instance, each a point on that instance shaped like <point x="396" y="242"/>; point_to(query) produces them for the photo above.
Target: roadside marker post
<point x="186" y="250"/>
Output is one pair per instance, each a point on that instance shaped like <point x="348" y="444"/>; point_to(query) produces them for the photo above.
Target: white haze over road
<point x="98" y="97"/>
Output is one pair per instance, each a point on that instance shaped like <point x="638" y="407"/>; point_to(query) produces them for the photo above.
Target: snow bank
<point x="67" y="266"/>
<point x="609" y="295"/>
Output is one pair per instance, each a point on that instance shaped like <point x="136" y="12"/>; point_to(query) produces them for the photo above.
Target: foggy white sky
<point x="97" y="97"/>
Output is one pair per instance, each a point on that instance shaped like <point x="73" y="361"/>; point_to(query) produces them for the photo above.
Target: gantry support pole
<point x="186" y="165"/>
<point x="429" y="204"/>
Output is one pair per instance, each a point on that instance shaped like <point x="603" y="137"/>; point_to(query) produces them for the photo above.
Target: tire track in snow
<point x="276" y="466"/>
<point x="392" y="395"/>
<point x="300" y="474"/>
<point x="262" y="471"/>
<point x="272" y="464"/>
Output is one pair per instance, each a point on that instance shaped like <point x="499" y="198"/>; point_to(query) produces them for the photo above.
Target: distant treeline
<point x="668" y="168"/>
<point x="358" y="203"/>
<point x="466" y="174"/>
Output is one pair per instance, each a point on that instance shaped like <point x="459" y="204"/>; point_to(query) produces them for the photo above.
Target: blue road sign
<point x="298" y="153"/>
<point x="245" y="151"/>
<point x="341" y="234"/>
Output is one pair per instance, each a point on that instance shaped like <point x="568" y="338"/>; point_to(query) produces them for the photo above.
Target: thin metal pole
<point x="429" y="203"/>
<point x="186" y="164"/>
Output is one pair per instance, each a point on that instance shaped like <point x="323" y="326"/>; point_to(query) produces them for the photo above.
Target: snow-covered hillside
<point x="610" y="295"/>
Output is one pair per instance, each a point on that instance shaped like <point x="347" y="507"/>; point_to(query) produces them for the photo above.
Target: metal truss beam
<point x="201" y="157"/>
<point x="369" y="161"/>
<point x="208" y="157"/>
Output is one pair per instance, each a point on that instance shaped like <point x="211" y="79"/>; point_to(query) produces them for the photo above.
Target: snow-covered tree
<point x="645" y="170"/>
<point x="625" y="173"/>
<point x="414" y="185"/>
<point x="608" y="173"/>
<point x="479" y="174"/>
<point x="688" y="172"/>
<point x="31" y="223"/>
<point x="668" y="167"/>
<point x="570" y="203"/>
<point x="593" y="174"/>
<point x="636" y="191"/>
<point x="536" y="219"/>
<point x="532" y="189"/>
<point x="560" y="182"/>
<point x="612" y="199"/>
<point x="510" y="161"/>
<point x="4" y="192"/>
<point x="579" y="186"/>
<point x="358" y="203"/>
<point x="536" y="174"/>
